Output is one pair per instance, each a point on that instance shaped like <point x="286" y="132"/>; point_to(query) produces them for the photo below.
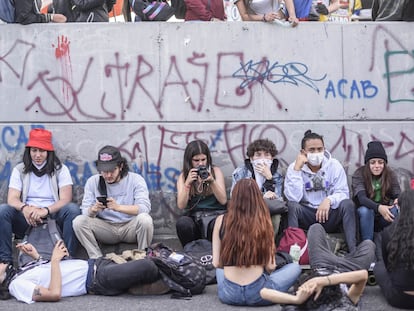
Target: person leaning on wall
<point x="376" y="188"/>
<point x="205" y="10"/>
<point x="39" y="187"/>
<point x="28" y="12"/>
<point x="267" y="10"/>
<point x="115" y="206"/>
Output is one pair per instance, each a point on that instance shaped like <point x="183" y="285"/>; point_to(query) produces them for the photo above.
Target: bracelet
<point x="48" y="211"/>
<point x="264" y="18"/>
<point x="39" y="258"/>
<point x="329" y="280"/>
<point x="23" y="206"/>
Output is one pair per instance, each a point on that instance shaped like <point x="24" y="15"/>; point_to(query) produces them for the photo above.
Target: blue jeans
<point x="249" y="295"/>
<point x="13" y="221"/>
<point x="370" y="221"/>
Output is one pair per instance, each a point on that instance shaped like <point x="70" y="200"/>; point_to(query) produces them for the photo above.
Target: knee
<point x="184" y="222"/>
<point x="293" y="207"/>
<point x="5" y="211"/>
<point x="71" y="210"/>
<point x="364" y="212"/>
<point x="145" y="221"/>
<point x="79" y="222"/>
<point x="316" y="228"/>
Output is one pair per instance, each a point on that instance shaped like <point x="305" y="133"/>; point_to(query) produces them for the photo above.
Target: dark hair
<point x="401" y="245"/>
<point x="310" y="135"/>
<point x="194" y="148"/>
<point x="386" y="183"/>
<point x="261" y="145"/>
<point x="329" y="294"/>
<point x="248" y="232"/>
<point x="53" y="163"/>
<point x="124" y="168"/>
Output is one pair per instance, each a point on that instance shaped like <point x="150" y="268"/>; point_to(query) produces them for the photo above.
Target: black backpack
<point x="179" y="271"/>
<point x="44" y="237"/>
<point x="202" y="250"/>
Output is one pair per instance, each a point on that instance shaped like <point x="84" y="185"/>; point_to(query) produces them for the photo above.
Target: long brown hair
<point x="385" y="180"/>
<point x="248" y="231"/>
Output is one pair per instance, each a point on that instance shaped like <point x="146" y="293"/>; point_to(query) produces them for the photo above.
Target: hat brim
<point x="106" y="166"/>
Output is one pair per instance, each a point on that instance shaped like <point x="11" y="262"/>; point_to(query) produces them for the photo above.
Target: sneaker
<point x="4" y="287"/>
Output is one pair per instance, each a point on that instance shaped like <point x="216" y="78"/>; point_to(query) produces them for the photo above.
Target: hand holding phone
<point x="102" y="199"/>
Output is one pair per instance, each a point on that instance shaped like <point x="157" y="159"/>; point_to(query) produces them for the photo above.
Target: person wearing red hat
<point x="39" y="187"/>
<point x="376" y="188"/>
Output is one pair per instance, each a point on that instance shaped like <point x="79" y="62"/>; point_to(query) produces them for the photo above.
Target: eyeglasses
<point x="373" y="161"/>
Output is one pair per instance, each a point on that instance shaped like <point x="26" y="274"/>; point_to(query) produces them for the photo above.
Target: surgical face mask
<point x="315" y="159"/>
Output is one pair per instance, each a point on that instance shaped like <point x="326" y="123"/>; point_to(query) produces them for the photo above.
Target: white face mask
<point x="315" y="159"/>
<point x="262" y="161"/>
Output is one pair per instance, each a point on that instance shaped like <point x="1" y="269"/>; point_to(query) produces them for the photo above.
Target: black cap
<point x="375" y="150"/>
<point x="108" y="158"/>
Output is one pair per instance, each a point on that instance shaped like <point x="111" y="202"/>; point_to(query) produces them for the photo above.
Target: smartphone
<point x="102" y="199"/>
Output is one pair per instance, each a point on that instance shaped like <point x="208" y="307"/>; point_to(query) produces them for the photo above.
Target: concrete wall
<point x="150" y="88"/>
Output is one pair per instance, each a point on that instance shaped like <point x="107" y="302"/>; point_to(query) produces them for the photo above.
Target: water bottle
<point x="294" y="252"/>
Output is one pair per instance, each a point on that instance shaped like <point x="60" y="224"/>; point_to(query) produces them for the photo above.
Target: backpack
<point x="44" y="237"/>
<point x="178" y="270"/>
<point x="7" y="11"/>
<point x="202" y="249"/>
<point x="179" y="7"/>
<point x="291" y="236"/>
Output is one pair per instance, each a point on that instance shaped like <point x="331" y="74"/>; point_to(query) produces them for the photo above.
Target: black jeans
<point x="345" y="215"/>
<point x="321" y="256"/>
<point x="109" y="278"/>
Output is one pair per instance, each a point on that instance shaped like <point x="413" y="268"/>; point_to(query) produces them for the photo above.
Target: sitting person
<point x="43" y="280"/>
<point x="92" y="10"/>
<point x="205" y="10"/>
<point x="201" y="192"/>
<point x="329" y="275"/>
<point x="394" y="273"/>
<point x="39" y="187"/>
<point x="315" y="10"/>
<point x="244" y="250"/>
<point x="316" y="188"/>
<point x="376" y="188"/>
<point x="261" y="165"/>
<point x="123" y="213"/>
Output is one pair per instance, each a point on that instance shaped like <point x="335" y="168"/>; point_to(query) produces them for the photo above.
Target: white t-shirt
<point x="40" y="190"/>
<point x="74" y="273"/>
<point x="264" y="6"/>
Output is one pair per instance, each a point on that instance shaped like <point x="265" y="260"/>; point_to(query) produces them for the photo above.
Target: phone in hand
<point x="102" y="199"/>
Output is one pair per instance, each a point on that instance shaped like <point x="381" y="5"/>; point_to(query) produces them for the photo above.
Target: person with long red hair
<point x="244" y="250"/>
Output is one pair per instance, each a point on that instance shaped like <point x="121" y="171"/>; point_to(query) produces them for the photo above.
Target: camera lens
<point x="202" y="172"/>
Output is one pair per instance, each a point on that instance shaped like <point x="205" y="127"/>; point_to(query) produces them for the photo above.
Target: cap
<point x="40" y="138"/>
<point x="108" y="158"/>
<point x="375" y="150"/>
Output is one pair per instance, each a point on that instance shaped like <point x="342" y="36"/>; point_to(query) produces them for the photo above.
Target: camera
<point x="102" y="199"/>
<point x="202" y="172"/>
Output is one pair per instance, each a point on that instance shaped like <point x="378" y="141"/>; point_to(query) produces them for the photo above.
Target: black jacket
<point x="28" y="12"/>
<point x="93" y="10"/>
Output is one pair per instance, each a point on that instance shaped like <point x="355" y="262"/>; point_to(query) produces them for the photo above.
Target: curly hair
<point x="310" y="135"/>
<point x="401" y="245"/>
<point x="248" y="232"/>
<point x="261" y="145"/>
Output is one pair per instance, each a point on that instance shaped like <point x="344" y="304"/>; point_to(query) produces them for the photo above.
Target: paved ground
<point x="371" y="301"/>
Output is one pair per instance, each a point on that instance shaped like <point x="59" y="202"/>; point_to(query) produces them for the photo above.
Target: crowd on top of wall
<point x="287" y="13"/>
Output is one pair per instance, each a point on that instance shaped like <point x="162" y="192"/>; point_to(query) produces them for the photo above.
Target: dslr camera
<point x="202" y="172"/>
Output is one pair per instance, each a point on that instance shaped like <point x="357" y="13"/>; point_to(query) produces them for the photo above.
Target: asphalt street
<point x="372" y="300"/>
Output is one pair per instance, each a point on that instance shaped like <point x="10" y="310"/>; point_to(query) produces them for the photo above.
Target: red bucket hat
<point x="40" y="138"/>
